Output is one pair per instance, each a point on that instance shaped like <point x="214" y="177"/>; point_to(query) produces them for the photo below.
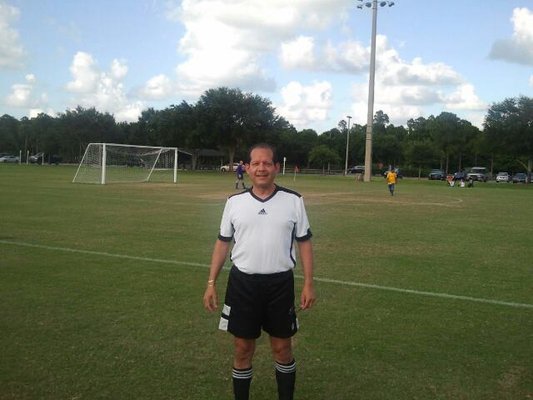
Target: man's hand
<point x="308" y="297"/>
<point x="210" y="298"/>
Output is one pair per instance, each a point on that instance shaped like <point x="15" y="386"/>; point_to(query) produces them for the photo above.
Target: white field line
<point x="318" y="279"/>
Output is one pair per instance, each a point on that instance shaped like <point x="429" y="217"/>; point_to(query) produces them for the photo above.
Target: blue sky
<point x="309" y="57"/>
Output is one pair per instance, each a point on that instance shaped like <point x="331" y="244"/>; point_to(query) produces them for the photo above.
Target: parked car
<point x="437" y="174"/>
<point x="9" y="159"/>
<point x="36" y="158"/>
<point x="41" y="158"/>
<point x="459" y="176"/>
<point x="520" y="178"/>
<point x="357" y="169"/>
<point x="478" y="174"/>
<point x="54" y="159"/>
<point x="503" y="177"/>
<point x="225" y="168"/>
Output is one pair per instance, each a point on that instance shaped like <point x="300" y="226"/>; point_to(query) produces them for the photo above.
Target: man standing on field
<point x="263" y="223"/>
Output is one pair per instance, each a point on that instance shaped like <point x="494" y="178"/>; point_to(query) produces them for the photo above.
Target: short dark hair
<point x="264" y="146"/>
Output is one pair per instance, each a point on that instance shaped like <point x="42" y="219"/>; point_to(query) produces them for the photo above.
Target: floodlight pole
<point x="347" y="146"/>
<point x="371" y="79"/>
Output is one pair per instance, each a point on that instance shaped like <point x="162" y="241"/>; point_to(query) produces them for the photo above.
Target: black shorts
<point x="258" y="301"/>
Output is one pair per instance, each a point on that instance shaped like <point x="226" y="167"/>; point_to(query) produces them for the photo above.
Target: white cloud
<point x="400" y="103"/>
<point x="118" y="69"/>
<point x="129" y="112"/>
<point x="404" y="89"/>
<point x="418" y="73"/>
<point x="11" y="51"/>
<point x="303" y="53"/>
<point x="157" y="88"/>
<point x="464" y="98"/>
<point x="226" y="43"/>
<point x="83" y="70"/>
<point x="350" y="57"/>
<point x="217" y="58"/>
<point x="519" y="48"/>
<point x="298" y="53"/>
<point x="393" y="70"/>
<point x="102" y="90"/>
<point x="21" y="95"/>
<point x="34" y="112"/>
<point x="303" y="105"/>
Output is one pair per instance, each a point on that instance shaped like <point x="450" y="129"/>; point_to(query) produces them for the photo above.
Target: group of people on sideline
<point x="460" y="180"/>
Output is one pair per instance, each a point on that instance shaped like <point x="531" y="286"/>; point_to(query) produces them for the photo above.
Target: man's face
<point x="262" y="170"/>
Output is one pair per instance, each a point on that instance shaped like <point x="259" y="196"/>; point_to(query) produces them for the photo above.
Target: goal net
<point x="120" y="163"/>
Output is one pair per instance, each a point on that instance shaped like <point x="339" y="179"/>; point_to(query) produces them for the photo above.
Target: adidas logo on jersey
<point x="262" y="212"/>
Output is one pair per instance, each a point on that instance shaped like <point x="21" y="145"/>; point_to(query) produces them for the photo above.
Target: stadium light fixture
<point x="370" y="115"/>
<point x="347" y="144"/>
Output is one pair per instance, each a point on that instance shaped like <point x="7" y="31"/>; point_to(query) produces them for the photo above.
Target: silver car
<point x="503" y="177"/>
<point x="9" y="159"/>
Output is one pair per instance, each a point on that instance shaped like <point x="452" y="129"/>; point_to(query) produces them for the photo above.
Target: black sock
<point x="241" y="383"/>
<point x="286" y="378"/>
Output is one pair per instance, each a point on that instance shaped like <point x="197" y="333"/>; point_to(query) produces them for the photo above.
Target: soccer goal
<point x="121" y="163"/>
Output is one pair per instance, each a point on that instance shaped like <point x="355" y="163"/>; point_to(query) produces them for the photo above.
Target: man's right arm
<point x="220" y="252"/>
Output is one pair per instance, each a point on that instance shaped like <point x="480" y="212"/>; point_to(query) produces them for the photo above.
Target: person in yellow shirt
<point x="391" y="178"/>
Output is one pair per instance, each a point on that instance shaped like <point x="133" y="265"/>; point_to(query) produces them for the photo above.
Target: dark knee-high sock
<point x="286" y="378"/>
<point x="241" y="382"/>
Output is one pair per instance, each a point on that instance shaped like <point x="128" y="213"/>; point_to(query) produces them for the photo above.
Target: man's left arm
<point x="308" y="296"/>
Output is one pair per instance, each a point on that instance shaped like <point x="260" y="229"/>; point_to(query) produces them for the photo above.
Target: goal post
<point x="121" y="163"/>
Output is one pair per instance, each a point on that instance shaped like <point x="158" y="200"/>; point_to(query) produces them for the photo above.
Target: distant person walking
<point x="240" y="175"/>
<point x="391" y="177"/>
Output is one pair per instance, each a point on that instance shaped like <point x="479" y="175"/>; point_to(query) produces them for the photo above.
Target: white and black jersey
<point x="264" y="230"/>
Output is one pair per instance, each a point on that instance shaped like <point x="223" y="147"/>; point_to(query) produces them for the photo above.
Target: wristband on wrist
<point x="211" y="282"/>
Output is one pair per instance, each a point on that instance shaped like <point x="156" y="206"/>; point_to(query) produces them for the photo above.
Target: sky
<point x="310" y="58"/>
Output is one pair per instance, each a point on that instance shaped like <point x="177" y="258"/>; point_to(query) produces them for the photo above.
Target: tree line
<point x="230" y="121"/>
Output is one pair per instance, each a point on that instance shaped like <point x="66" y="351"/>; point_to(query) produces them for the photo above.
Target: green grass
<point x="101" y="287"/>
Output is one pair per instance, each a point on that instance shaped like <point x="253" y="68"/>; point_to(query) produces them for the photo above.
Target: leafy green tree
<point x="234" y="120"/>
<point x="509" y="127"/>
<point x="288" y="147"/>
<point x="335" y="139"/>
<point x="418" y="129"/>
<point x="323" y="157"/>
<point x="9" y="137"/>
<point x="45" y="136"/>
<point x="176" y="125"/>
<point x="421" y="154"/>
<point x="148" y="128"/>
<point x="449" y="134"/>
<point x="82" y="126"/>
<point x="306" y="140"/>
<point x="381" y="120"/>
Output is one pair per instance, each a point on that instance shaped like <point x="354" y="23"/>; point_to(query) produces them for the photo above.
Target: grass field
<point x="424" y="295"/>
